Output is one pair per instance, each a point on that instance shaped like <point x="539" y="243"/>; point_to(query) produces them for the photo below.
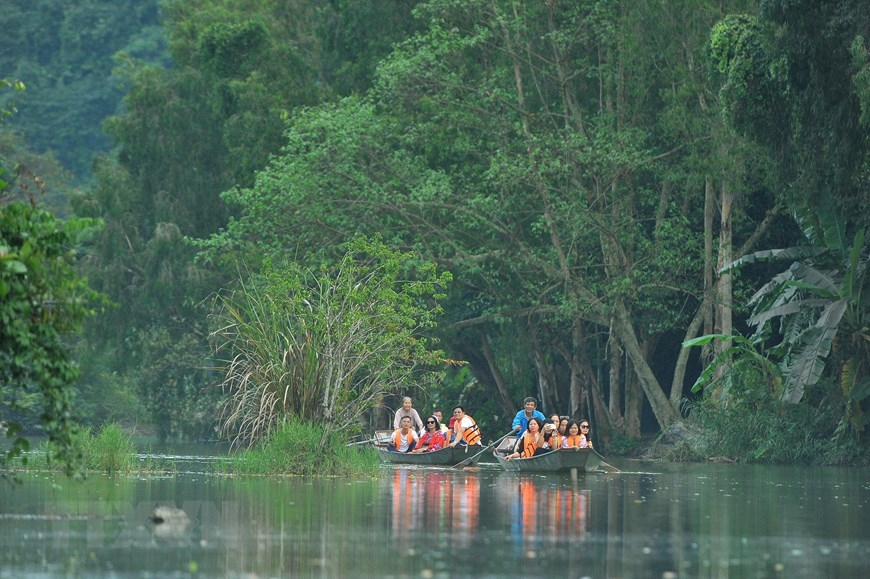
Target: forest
<point x="650" y="214"/>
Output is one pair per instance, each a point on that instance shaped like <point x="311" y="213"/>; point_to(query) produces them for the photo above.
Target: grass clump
<point x="293" y="449"/>
<point x="109" y="451"/>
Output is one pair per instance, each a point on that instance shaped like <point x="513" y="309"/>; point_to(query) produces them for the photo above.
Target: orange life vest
<point x="471" y="435"/>
<point x="397" y="438"/>
<point x="556" y="440"/>
<point x="573" y="441"/>
<point x="529" y="446"/>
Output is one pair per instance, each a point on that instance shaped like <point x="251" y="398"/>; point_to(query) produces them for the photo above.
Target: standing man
<point x="529" y="411"/>
<point x="465" y="429"/>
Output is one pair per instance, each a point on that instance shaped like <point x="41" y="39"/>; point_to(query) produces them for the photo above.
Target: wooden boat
<point x="447" y="456"/>
<point x="562" y="460"/>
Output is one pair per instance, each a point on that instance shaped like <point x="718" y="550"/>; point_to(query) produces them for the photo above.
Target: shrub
<point x="293" y="449"/>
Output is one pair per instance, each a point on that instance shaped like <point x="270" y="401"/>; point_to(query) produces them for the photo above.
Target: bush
<point x="110" y="451"/>
<point x="754" y="425"/>
<point x="293" y="449"/>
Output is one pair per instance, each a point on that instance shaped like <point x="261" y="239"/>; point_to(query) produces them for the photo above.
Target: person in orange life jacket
<point x="407" y="410"/>
<point x="573" y="438"/>
<point x="432" y="439"/>
<point x="465" y="429"/>
<point x="550" y="431"/>
<point x="404" y="439"/>
<point x="530" y="443"/>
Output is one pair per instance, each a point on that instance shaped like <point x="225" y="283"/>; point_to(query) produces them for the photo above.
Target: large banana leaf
<point x="809" y="358"/>
<point x="786" y="254"/>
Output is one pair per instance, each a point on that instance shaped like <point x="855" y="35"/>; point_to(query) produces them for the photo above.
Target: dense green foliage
<point x="586" y="170"/>
<point x="63" y="52"/>
<point x="324" y="346"/>
<point x="188" y="133"/>
<point x="42" y="299"/>
<point x="754" y="426"/>
<point x="795" y="81"/>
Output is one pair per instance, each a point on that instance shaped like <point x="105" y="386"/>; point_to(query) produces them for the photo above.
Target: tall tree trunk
<point x="707" y="305"/>
<point x="724" y="285"/>
<point x="633" y="404"/>
<point x="665" y="413"/>
<point x="615" y="355"/>
<point x="546" y="380"/>
<point x="504" y="396"/>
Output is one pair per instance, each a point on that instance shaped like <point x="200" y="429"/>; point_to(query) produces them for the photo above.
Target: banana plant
<point x="820" y="307"/>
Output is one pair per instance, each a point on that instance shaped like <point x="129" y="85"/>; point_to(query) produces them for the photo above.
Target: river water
<point x="654" y="520"/>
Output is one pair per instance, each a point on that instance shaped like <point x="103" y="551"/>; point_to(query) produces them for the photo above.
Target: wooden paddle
<point x="608" y="467"/>
<point x="471" y="458"/>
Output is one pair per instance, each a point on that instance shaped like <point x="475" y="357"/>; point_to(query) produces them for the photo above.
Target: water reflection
<point x="684" y="520"/>
<point x="434" y="502"/>
<point x="546" y="514"/>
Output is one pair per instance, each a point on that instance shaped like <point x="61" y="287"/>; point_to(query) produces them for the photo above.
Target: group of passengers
<point x="411" y="435"/>
<point x="535" y="434"/>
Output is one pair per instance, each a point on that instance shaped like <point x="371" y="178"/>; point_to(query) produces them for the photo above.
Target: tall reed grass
<point x="323" y="345"/>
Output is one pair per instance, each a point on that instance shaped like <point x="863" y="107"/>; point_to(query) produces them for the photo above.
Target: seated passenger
<point x="465" y="429"/>
<point x="404" y="439"/>
<point x="552" y="437"/>
<point x="432" y="439"/>
<point x="531" y="443"/>
<point x="586" y="441"/>
<point x="444" y="430"/>
<point x="573" y="439"/>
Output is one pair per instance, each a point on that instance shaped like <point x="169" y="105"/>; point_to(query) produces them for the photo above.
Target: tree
<point x="493" y="144"/>
<point x="42" y="299"/>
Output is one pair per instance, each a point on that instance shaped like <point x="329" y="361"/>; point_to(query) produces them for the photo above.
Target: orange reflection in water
<point x="435" y="501"/>
<point x="549" y="514"/>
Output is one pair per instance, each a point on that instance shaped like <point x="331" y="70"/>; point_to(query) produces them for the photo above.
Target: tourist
<point x="433" y="438"/>
<point x="407" y="410"/>
<point x="531" y="442"/>
<point x="573" y="438"/>
<point x="529" y="411"/>
<point x="465" y="429"/>
<point x="586" y="440"/>
<point x="444" y="429"/>
<point x="404" y="438"/>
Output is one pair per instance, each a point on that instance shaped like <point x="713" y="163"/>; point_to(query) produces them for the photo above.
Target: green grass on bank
<point x="293" y="449"/>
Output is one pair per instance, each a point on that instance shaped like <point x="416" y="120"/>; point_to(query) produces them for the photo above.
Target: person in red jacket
<point x="432" y="439"/>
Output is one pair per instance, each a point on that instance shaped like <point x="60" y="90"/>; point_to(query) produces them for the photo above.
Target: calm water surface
<point x="652" y="520"/>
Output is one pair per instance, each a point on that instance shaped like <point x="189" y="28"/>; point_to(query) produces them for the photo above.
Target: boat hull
<point x="562" y="460"/>
<point x="445" y="457"/>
